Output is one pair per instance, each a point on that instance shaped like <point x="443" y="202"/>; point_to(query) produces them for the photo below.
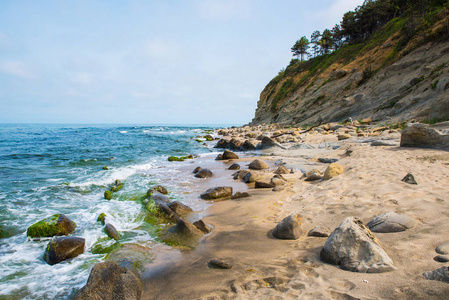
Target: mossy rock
<point x="108" y="195"/>
<point x="105" y="168"/>
<point x="101" y="218"/>
<point x="57" y="224"/>
<point x="104" y="246"/>
<point x="116" y="188"/>
<point x="175" y="158"/>
<point x="132" y="256"/>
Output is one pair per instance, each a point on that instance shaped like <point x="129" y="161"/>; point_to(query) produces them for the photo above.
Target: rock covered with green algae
<point x="101" y="218"/>
<point x="57" y="224"/>
<point x="108" y="195"/>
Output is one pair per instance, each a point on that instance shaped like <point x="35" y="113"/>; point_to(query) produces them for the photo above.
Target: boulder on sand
<point x="183" y="233"/>
<point x="108" y="280"/>
<point x="289" y="228"/>
<point x="204" y="173"/>
<point x="258" y="165"/>
<point x="333" y="170"/>
<point x="57" y="224"/>
<point x="282" y="170"/>
<point x="234" y="167"/>
<point x="355" y="248"/>
<point x="390" y="222"/>
<point x="229" y="155"/>
<point x="63" y="248"/>
<point x="423" y="135"/>
<point x="217" y="193"/>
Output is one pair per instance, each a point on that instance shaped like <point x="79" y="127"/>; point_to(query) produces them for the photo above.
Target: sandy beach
<point x="264" y="267"/>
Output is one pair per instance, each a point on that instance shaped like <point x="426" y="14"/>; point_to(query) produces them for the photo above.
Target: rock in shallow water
<point x="355" y="248"/>
<point x="390" y="222"/>
<point x="229" y="155"/>
<point x="57" y="224"/>
<point x="234" y="167"/>
<point x="217" y="193"/>
<point x="110" y="230"/>
<point x="63" y="248"/>
<point x="204" y="173"/>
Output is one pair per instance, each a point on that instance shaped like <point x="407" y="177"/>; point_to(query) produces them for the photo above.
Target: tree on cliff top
<point x="299" y="49"/>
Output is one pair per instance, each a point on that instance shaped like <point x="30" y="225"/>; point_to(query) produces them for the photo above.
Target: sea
<point x="46" y="169"/>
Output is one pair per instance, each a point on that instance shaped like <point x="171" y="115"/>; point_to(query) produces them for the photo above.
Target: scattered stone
<point x="250" y="177"/>
<point x="229" y="155"/>
<point x="258" y="165"/>
<point x="63" y="248"/>
<point x="422" y="135"/>
<point x="196" y="170"/>
<point x="313" y="175"/>
<point x="249" y="145"/>
<point x="183" y="233"/>
<point x="390" y="222"/>
<point x="267" y="143"/>
<point x="333" y="170"/>
<point x="158" y="188"/>
<point x="263" y="185"/>
<point x="101" y="218"/>
<point x="218" y="264"/>
<point x="319" y="231"/>
<point x="239" y="195"/>
<point x="204" y="173"/>
<point x="110" y="230"/>
<point x="108" y="280"/>
<point x="240" y="174"/>
<point x="105" y="168"/>
<point x="234" y="167"/>
<point x="276" y="181"/>
<point x="409" y="178"/>
<point x="443" y="248"/>
<point x="289" y="228"/>
<point x="355" y="248"/>
<point x="108" y="195"/>
<point x="282" y="170"/>
<point x="180" y="209"/>
<point x="57" y="224"/>
<point x="388" y="143"/>
<point x="441" y="274"/>
<point x="441" y="258"/>
<point x="327" y="160"/>
<point x="217" y="193"/>
<point x="219" y="157"/>
<point x="343" y="136"/>
<point x="202" y="226"/>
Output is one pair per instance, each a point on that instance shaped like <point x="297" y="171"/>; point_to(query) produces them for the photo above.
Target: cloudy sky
<point x="148" y="62"/>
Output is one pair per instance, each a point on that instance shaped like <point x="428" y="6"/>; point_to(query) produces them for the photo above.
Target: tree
<point x="299" y="49"/>
<point x="326" y="41"/>
<point x="315" y="39"/>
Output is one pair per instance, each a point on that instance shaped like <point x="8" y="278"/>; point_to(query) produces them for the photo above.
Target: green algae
<point x="108" y="195"/>
<point x="101" y="218"/>
<point x="47" y="228"/>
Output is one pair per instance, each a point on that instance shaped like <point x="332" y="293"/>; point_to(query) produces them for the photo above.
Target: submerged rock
<point x="355" y="248"/>
<point x="57" y="224"/>
<point x="132" y="256"/>
<point x="63" y="248"/>
<point x="108" y="280"/>
<point x="390" y="222"/>
<point x="217" y="193"/>
<point x="289" y="228"/>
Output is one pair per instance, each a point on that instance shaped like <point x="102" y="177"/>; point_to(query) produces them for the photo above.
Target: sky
<point x="148" y="62"/>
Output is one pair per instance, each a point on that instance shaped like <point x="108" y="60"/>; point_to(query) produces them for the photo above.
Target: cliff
<point x="393" y="77"/>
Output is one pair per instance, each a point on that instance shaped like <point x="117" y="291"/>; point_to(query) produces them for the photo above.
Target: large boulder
<point x="235" y="144"/>
<point x="267" y="142"/>
<point x="132" y="256"/>
<point x="63" y="248"/>
<point x="223" y="143"/>
<point x="390" y="222"/>
<point x="180" y="209"/>
<point x="204" y="173"/>
<point x="441" y="274"/>
<point x="183" y="233"/>
<point x="240" y="174"/>
<point x="57" y="224"/>
<point x="289" y="228"/>
<point x="332" y="171"/>
<point x="249" y="145"/>
<point x="108" y="280"/>
<point x="424" y="136"/>
<point x="217" y="193"/>
<point x="258" y="165"/>
<point x="251" y="177"/>
<point x="355" y="248"/>
<point x="229" y="155"/>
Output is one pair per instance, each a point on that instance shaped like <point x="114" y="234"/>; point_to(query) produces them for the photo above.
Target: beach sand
<point x="268" y="268"/>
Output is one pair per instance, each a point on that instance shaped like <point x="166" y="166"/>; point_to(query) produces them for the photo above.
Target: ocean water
<point x="49" y="169"/>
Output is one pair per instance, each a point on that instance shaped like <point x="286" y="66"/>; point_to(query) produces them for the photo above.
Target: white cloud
<point x="224" y="10"/>
<point x="17" y="69"/>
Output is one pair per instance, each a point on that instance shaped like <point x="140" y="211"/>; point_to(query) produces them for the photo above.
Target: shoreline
<point x="265" y="267"/>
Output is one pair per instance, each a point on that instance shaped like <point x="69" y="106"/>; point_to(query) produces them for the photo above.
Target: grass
<point x="435" y="120"/>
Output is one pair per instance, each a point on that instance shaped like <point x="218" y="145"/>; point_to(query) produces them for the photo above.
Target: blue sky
<point x="149" y="62"/>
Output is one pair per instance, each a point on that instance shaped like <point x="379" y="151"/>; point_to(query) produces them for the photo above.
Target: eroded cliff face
<point x="414" y="87"/>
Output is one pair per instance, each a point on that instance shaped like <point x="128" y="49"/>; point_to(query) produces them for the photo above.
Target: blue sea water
<point x="49" y="169"/>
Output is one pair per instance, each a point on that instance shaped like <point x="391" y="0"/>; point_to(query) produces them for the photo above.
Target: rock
<point x="202" y="226"/>
<point x="101" y="218"/>
<point x="422" y="135"/>
<point x="332" y="171"/>
<point x="239" y="195"/>
<point x="249" y="145"/>
<point x="276" y="181"/>
<point x="327" y="160"/>
<point x="387" y="143"/>
<point x="441" y="274"/>
<point x="63" y="248"/>
<point x="235" y="144"/>
<point x="57" y="224"/>
<point x="240" y="174"/>
<point x="108" y="280"/>
<point x="250" y="177"/>
<point x="159" y="207"/>
<point x="267" y="143"/>
<point x="196" y="170"/>
<point x="222" y="143"/>
<point x="355" y="248"/>
<point x="337" y="74"/>
<point x="409" y="178"/>
<point x="160" y="189"/>
<point x="282" y="170"/>
<point x="110" y="230"/>
<point x="132" y="256"/>
<point x="218" y="264"/>
<point x="183" y="233"/>
<point x="319" y="231"/>
<point x="441" y="258"/>
<point x="300" y="146"/>
<point x="234" y="167"/>
<point x="204" y="173"/>
<point x="258" y="165"/>
<point x="229" y="155"/>
<point x="443" y="248"/>
<point x="278" y="188"/>
<point x="289" y="228"/>
<point x="108" y="195"/>
<point x="344" y="136"/>
<point x="263" y="185"/>
<point x="390" y="222"/>
<point x="180" y="209"/>
<point x="217" y="193"/>
<point x="313" y="175"/>
<point x="219" y="157"/>
<point x="365" y="121"/>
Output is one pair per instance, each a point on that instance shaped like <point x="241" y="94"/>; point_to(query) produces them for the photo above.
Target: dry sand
<point x="268" y="268"/>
